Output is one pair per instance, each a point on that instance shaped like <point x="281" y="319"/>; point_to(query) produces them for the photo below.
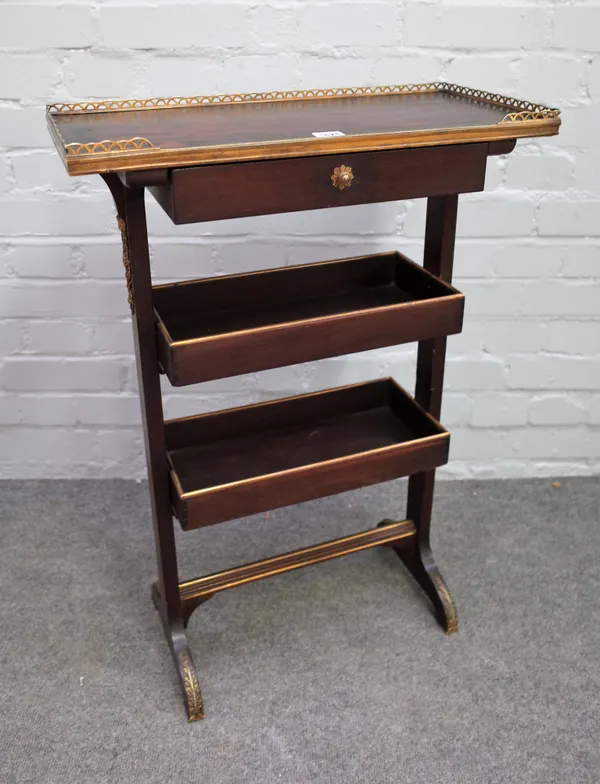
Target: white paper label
<point x="323" y="134"/>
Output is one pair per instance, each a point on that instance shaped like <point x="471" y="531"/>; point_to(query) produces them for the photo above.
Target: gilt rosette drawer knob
<point x="342" y="177"/>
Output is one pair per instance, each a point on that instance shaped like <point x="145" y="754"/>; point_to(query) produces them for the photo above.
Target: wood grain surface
<point x="236" y="190"/>
<point x="104" y="140"/>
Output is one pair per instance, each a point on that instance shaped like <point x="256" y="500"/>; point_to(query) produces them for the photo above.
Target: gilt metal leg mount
<point x="126" y="263"/>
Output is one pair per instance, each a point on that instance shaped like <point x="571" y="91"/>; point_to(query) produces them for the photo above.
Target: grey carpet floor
<point x="335" y="673"/>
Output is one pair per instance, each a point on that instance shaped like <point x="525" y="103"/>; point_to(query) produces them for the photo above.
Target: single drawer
<point x="213" y="192"/>
<point x="226" y="326"/>
<point x="248" y="460"/>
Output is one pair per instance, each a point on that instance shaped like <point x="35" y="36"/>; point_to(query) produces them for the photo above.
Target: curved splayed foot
<point x="419" y="561"/>
<point x="447" y="614"/>
<point x="191" y="686"/>
<point x="182" y="656"/>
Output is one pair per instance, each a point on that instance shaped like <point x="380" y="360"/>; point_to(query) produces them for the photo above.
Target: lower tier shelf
<point x="248" y="460"/>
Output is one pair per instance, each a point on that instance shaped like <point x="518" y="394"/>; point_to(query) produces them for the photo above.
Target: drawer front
<point x="218" y="191"/>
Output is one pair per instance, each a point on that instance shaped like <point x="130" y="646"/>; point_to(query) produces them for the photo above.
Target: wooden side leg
<point x="418" y="557"/>
<point x="131" y="217"/>
<point x="416" y="554"/>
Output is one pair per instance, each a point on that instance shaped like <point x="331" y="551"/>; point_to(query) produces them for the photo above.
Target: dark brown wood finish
<point x="440" y="232"/>
<point x="132" y="216"/>
<point x="195" y="592"/>
<point x="242" y="123"/>
<point x="246" y="157"/>
<point x="218" y="466"/>
<point x="160" y="133"/>
<point x="503" y="147"/>
<point x="240" y="462"/>
<point x="149" y="382"/>
<point x="226" y="326"/>
<point x="236" y="190"/>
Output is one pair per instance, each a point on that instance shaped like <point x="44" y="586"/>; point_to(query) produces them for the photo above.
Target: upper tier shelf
<point x="110" y="136"/>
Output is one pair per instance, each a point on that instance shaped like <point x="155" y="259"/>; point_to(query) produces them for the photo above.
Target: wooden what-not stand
<point x="229" y="156"/>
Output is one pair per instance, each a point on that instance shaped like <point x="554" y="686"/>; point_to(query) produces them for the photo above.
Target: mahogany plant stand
<point x="209" y="158"/>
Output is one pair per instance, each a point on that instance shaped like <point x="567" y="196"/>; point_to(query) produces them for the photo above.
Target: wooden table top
<point x="167" y="132"/>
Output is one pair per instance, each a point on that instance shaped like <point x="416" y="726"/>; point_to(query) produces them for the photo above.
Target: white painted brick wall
<point x="523" y="380"/>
